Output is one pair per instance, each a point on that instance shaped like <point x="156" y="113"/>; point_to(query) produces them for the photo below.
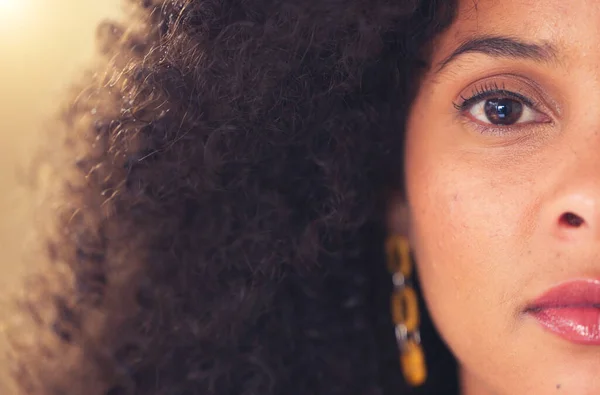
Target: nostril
<point x="571" y="220"/>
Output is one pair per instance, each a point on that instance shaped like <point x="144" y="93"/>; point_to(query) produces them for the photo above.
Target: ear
<point x="397" y="215"/>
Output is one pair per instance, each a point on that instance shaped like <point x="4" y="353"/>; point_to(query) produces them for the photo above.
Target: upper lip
<point x="575" y="293"/>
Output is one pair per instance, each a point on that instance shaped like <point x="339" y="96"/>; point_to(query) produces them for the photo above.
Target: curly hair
<point x="222" y="200"/>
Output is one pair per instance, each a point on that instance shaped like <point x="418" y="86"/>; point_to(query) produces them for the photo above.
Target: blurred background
<point x="44" y="44"/>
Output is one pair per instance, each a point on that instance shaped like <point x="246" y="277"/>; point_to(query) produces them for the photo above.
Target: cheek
<point x="465" y="238"/>
<point x="448" y="240"/>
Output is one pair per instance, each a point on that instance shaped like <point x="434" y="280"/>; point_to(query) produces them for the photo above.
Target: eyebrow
<point x="503" y="47"/>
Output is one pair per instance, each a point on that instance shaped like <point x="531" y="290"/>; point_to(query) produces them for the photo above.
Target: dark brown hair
<point x="220" y="225"/>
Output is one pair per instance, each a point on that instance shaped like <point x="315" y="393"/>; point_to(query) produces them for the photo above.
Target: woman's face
<point x="503" y="191"/>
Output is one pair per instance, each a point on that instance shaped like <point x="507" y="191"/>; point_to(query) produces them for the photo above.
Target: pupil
<point x="503" y="111"/>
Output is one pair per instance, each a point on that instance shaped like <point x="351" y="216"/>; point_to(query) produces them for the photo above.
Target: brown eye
<point x="503" y="111"/>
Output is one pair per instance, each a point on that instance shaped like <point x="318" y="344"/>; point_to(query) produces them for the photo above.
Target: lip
<point x="570" y="310"/>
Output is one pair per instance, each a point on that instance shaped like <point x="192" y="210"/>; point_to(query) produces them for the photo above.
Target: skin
<point x="497" y="195"/>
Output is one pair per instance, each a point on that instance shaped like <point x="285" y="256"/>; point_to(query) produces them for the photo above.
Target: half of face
<point x="503" y="194"/>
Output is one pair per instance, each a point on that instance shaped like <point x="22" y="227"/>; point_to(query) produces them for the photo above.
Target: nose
<point x="574" y="213"/>
<point x="572" y="179"/>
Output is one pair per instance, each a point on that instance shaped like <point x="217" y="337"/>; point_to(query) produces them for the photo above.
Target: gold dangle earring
<point x="405" y="311"/>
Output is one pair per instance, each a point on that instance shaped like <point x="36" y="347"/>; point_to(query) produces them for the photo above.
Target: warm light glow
<point x="9" y="6"/>
<point x="11" y="11"/>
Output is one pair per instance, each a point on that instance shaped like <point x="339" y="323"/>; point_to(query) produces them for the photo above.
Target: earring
<point x="405" y="311"/>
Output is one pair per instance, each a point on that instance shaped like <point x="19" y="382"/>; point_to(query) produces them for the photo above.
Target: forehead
<point x="572" y="26"/>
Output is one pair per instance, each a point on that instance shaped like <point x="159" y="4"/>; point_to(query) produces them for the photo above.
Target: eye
<point x="503" y="111"/>
<point x="494" y="106"/>
<point x="505" y="105"/>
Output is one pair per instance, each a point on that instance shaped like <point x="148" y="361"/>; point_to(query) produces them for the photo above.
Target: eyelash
<point x="491" y="91"/>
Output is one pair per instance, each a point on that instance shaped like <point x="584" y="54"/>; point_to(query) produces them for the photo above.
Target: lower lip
<point x="577" y="324"/>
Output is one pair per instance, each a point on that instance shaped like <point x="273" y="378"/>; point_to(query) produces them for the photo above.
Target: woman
<point x="240" y="168"/>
